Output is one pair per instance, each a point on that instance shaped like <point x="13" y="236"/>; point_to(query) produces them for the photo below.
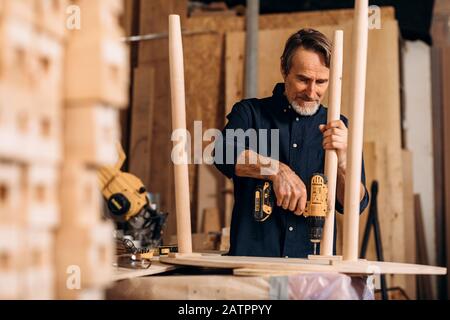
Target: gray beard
<point x="305" y="110"/>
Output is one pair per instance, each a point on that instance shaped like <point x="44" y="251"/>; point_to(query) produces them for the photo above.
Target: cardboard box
<point x="91" y="132"/>
<point x="79" y="186"/>
<point x="100" y="18"/>
<point x="11" y="195"/>
<point x="47" y="63"/>
<point x="15" y="123"/>
<point x="51" y="17"/>
<point x="42" y="196"/>
<point x="10" y="262"/>
<point x="39" y="273"/>
<point x="97" y="69"/>
<point x="16" y="41"/>
<point x="20" y="9"/>
<point x="46" y="137"/>
<point x="84" y="257"/>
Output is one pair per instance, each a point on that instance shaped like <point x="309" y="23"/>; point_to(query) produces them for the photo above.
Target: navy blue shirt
<point x="284" y="234"/>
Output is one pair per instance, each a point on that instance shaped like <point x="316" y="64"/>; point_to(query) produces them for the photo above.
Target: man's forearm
<point x="252" y="165"/>
<point x="340" y="187"/>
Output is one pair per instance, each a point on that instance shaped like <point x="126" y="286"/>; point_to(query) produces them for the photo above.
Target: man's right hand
<point x="289" y="190"/>
<point x="288" y="187"/>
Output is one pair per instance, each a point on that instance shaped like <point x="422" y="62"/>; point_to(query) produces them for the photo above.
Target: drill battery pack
<point x="264" y="201"/>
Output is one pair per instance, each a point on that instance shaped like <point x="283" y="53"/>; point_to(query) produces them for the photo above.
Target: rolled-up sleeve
<point x="228" y="147"/>
<point x="365" y="200"/>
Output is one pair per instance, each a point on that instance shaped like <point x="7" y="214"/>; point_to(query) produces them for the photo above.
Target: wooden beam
<point x="438" y="164"/>
<point x="358" y="267"/>
<point x="424" y="290"/>
<point x="356" y="127"/>
<point x="446" y="147"/>
<point x="142" y="115"/>
<point x="179" y="124"/>
<point x="410" y="237"/>
<point x="331" y="160"/>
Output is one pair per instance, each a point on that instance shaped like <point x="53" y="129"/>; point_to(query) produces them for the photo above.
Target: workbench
<point x="169" y="282"/>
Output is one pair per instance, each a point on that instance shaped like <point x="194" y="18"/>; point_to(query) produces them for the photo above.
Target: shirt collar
<point x="282" y="101"/>
<point x="280" y="98"/>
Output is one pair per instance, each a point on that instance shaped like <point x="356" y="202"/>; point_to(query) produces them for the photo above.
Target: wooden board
<point x="203" y="101"/>
<point x="142" y="124"/>
<point x="359" y="267"/>
<point x="446" y="147"/>
<point x="410" y="237"/>
<point x="424" y="287"/>
<point x="157" y="267"/>
<point x="248" y="272"/>
<point x="207" y="193"/>
<point x="279" y="21"/>
<point x="211" y="220"/>
<point x="181" y="287"/>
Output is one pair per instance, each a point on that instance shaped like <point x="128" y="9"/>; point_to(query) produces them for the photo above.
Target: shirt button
<point x="294" y="145"/>
<point x="290" y="228"/>
<point x="297" y="119"/>
<point x="285" y="110"/>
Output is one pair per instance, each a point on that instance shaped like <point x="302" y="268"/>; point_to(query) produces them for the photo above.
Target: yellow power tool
<point x="125" y="194"/>
<point x="316" y="207"/>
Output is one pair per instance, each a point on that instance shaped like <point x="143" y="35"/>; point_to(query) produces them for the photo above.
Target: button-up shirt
<point x="299" y="145"/>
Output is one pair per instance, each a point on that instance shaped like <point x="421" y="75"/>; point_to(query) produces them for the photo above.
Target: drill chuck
<point x="315" y="226"/>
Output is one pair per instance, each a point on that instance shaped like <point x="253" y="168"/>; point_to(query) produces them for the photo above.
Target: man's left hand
<point x="335" y="138"/>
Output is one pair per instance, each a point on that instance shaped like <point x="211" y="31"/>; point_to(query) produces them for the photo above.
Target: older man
<point x="295" y="112"/>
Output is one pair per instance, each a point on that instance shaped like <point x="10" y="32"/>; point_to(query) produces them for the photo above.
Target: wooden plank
<point x="370" y="160"/>
<point x="142" y="124"/>
<point x="156" y="267"/>
<point x="180" y="287"/>
<point x="410" y="237"/>
<point x="360" y="35"/>
<point x="279" y="21"/>
<point x="207" y="194"/>
<point x="424" y="290"/>
<point x="211" y="220"/>
<point x="203" y="103"/>
<point x="357" y="267"/>
<point x="446" y="147"/>
<point x="154" y="19"/>
<point x="247" y="272"/>
<point x="438" y="164"/>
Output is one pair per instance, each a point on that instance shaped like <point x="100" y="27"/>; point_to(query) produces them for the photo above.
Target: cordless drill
<point x="316" y="208"/>
<point x="315" y="211"/>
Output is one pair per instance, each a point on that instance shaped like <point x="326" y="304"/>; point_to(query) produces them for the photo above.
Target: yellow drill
<point x="316" y="208"/>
